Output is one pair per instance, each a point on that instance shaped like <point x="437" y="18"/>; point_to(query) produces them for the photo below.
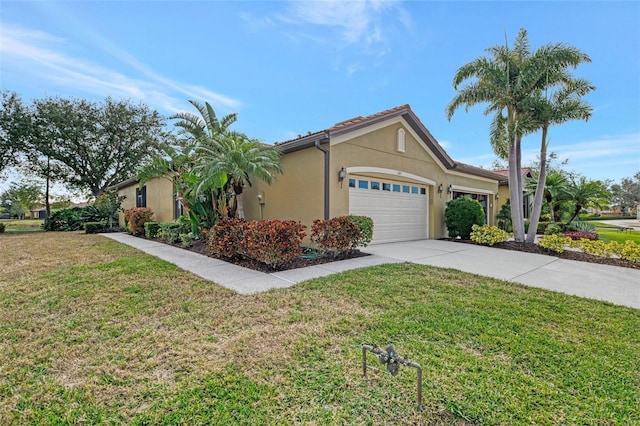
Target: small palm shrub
<point x="461" y="214"/>
<point x="488" y="235"/>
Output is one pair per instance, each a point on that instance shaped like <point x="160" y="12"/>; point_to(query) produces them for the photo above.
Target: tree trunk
<point x="516" y="199"/>
<point x="46" y="191"/>
<point x="537" y="200"/>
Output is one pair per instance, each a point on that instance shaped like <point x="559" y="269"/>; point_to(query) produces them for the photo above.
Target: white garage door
<point x="398" y="210"/>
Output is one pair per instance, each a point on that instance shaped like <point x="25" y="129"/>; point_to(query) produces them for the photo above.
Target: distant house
<point x="38" y="213"/>
<point x="387" y="166"/>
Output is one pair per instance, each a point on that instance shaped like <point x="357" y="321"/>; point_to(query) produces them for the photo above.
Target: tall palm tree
<point x="506" y="80"/>
<point x="563" y="105"/>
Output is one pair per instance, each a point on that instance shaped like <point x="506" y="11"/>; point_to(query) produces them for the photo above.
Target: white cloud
<point x="46" y="58"/>
<point x="360" y="24"/>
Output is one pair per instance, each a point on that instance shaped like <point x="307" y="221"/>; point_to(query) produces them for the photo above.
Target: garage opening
<point x="399" y="209"/>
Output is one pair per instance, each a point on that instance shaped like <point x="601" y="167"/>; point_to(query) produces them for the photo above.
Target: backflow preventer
<point x="392" y="361"/>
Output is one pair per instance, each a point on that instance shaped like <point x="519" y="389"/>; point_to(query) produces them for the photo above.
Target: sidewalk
<point x="237" y="278"/>
<point x="609" y="283"/>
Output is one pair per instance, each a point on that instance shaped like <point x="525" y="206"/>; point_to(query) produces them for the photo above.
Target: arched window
<point x="400" y="140"/>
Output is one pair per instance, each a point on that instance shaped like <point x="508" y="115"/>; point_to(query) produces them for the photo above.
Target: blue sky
<point x="288" y="68"/>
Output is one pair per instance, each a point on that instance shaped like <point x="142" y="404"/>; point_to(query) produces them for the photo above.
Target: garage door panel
<point x="396" y="216"/>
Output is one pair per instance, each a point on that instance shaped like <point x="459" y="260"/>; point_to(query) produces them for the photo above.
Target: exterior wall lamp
<point x="440" y="189"/>
<point x="497" y="196"/>
<point x="342" y="174"/>
<point x="450" y="189"/>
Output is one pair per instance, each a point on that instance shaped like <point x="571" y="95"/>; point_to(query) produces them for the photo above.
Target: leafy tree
<point x="21" y="198"/>
<point x="507" y="81"/>
<point x="626" y="194"/>
<point x="554" y="194"/>
<point x="90" y="146"/>
<point x="14" y="126"/>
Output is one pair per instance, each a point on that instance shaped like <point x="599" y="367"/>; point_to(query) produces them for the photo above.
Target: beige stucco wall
<point x="299" y="193"/>
<point x="296" y="194"/>
<point x="159" y="199"/>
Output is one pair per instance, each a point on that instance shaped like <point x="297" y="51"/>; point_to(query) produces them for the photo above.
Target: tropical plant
<point x="226" y="160"/>
<point x="562" y="105"/>
<point x="508" y="81"/>
<point x="587" y="193"/>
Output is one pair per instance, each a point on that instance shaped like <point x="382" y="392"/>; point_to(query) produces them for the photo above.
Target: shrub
<point x="488" y="235"/>
<point x="151" y="229"/>
<point x="366" y="229"/>
<point x="461" y="214"/>
<point x="581" y="226"/>
<point x="336" y="236"/>
<point x="187" y="239"/>
<point x="95" y="227"/>
<point x="136" y="217"/>
<point x="273" y="242"/>
<point x="555" y="242"/>
<point x="630" y="251"/>
<point x="64" y="220"/>
<point x="225" y="238"/>
<point x="2" y="228"/>
<point x="579" y="235"/>
<point x="595" y="247"/>
<point x="170" y="232"/>
<point x="552" y="229"/>
<point x="504" y="217"/>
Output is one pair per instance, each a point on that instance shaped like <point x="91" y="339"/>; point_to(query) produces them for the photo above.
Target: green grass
<point x="24" y="225"/>
<point x="608" y="233"/>
<point x="95" y="332"/>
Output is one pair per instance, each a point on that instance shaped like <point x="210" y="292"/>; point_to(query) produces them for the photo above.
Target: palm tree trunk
<point x="516" y="199"/>
<point x="537" y="200"/>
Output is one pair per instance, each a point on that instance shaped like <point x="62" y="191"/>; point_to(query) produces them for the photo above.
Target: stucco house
<point x="386" y="166"/>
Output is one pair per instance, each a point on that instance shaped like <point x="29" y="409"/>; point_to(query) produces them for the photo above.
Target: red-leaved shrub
<point x="225" y="238"/>
<point x="577" y="235"/>
<point x="338" y="235"/>
<point x="273" y="242"/>
<point x="136" y="217"/>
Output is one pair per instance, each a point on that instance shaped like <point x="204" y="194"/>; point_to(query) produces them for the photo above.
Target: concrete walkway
<point x="613" y="284"/>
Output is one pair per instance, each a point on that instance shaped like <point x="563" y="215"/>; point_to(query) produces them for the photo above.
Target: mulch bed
<point x="567" y="254"/>
<point x="200" y="246"/>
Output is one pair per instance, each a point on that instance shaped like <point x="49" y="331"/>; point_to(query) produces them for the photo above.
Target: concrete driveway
<point x="610" y="283"/>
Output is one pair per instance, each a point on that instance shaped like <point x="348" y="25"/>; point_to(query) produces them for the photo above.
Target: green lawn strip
<point x="24" y="225"/>
<point x="125" y="338"/>
<point x="607" y="234"/>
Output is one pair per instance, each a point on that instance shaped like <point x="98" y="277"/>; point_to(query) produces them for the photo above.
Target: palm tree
<point x="506" y="81"/>
<point x="563" y="105"/>
<point x="236" y="158"/>
<point x="225" y="160"/>
<point x="587" y="193"/>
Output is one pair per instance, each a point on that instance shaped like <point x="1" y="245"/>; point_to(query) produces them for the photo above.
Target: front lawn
<point x="608" y="233"/>
<point x="94" y="331"/>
